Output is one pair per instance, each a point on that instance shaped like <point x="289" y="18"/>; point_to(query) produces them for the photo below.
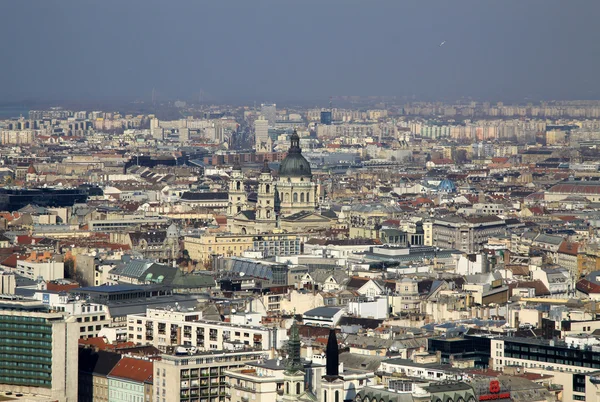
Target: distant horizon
<point x="305" y="103"/>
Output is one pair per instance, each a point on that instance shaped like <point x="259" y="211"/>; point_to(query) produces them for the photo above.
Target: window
<point x="295" y="198"/>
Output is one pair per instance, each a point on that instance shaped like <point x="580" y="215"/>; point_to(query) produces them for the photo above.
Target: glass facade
<point x="468" y="347"/>
<point x="557" y="354"/>
<point x="25" y="351"/>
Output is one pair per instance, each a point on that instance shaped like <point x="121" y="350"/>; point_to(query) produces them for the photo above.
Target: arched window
<point x="337" y="396"/>
<point x="324" y="396"/>
<point x="239" y="209"/>
<point x="287" y="388"/>
<point x="301" y="197"/>
<point x="267" y="189"/>
<point x="307" y="197"/>
<point x="297" y="388"/>
<point x="295" y="197"/>
<point x="238" y="185"/>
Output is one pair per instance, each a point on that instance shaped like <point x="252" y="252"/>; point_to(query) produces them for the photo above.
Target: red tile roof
<point x="101" y="343"/>
<point x="442" y="161"/>
<point x="578" y="188"/>
<point x="24" y="239"/>
<point x="587" y="287"/>
<point x="136" y="370"/>
<point x="569" y="248"/>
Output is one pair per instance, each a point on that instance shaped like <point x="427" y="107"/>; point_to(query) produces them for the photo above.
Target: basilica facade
<point x="288" y="203"/>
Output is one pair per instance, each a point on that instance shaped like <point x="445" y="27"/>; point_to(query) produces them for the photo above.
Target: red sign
<point x="494" y="392"/>
<point x="493" y="397"/>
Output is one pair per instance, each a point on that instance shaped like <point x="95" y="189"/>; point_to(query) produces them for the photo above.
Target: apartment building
<point x="248" y="383"/>
<point x="38" y="350"/>
<point x="90" y="317"/>
<point x="130" y="380"/>
<point x="163" y="328"/>
<point x="198" y="377"/>
<point x="466" y="234"/>
<point x="46" y="268"/>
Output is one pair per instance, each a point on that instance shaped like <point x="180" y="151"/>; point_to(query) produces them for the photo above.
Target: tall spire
<point x="265" y="168"/>
<point x="236" y="165"/>
<point x="295" y="143"/>
<point x="332" y="372"/>
<point x="294" y="363"/>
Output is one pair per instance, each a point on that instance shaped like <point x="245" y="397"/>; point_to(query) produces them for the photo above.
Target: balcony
<point x="244" y="388"/>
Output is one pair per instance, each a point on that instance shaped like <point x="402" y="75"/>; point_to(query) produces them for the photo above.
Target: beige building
<point x="163" y="328"/>
<point x="204" y="247"/>
<point x="246" y="384"/>
<point x="14" y="137"/>
<point x="200" y="376"/>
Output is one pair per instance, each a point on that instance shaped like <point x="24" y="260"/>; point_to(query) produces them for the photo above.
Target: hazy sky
<point x="283" y="50"/>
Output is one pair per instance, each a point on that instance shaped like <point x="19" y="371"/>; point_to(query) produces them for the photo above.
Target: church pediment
<point x="306" y="216"/>
<point x="247" y="216"/>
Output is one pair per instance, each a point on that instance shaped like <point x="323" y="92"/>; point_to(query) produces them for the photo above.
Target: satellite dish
<point x="233" y="311"/>
<point x="242" y="273"/>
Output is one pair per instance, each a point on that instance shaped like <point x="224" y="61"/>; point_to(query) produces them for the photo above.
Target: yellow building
<point x="203" y="248"/>
<point x="554" y="137"/>
<point x="588" y="258"/>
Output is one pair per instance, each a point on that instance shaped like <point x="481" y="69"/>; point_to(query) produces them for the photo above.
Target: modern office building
<point x="269" y="112"/>
<point x="573" y="362"/>
<point x="326" y="117"/>
<point x="38" y="350"/>
<point x="198" y="377"/>
<point x="467" y="347"/>
<point x="261" y="134"/>
<point x="12" y="199"/>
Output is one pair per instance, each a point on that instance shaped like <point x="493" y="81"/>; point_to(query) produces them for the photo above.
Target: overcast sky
<point x="278" y="50"/>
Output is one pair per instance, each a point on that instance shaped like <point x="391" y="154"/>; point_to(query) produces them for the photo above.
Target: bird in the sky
<point x="442" y="44"/>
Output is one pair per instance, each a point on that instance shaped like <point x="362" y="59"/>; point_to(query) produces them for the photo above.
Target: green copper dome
<point x="294" y="164"/>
